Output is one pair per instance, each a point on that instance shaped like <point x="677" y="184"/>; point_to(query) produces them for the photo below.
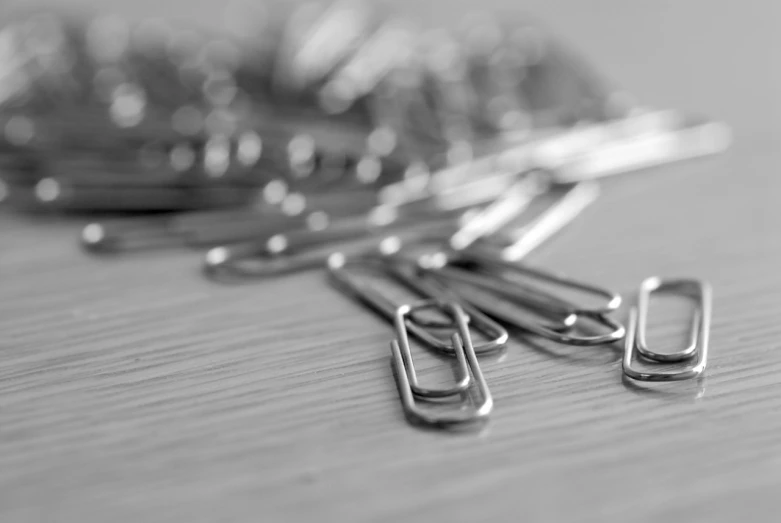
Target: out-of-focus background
<point x="730" y="45"/>
<point x="133" y="390"/>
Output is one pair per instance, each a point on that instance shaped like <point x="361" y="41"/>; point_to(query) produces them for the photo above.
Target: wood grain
<point x="131" y="389"/>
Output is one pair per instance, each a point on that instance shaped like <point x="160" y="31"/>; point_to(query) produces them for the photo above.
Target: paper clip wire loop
<point x="406" y="377"/>
<point x="697" y="349"/>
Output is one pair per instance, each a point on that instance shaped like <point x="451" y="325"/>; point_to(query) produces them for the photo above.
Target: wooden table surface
<point x="131" y="389"/>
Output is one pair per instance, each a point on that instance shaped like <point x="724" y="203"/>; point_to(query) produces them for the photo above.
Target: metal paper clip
<point x="338" y="268"/>
<point x="531" y="300"/>
<point x="308" y="248"/>
<point x="496" y="276"/>
<point x="400" y="324"/>
<point x="527" y="238"/>
<point x="695" y="352"/>
<point x="407" y="380"/>
<point x="459" y="266"/>
<point x="552" y="315"/>
<point x="305" y="248"/>
<point x="201" y="229"/>
<point x="190" y="230"/>
<point x="443" y="267"/>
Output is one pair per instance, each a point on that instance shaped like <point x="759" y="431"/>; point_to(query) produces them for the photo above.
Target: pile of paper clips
<point x="335" y="137"/>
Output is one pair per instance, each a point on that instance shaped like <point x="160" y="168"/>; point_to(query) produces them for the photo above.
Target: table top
<point x="132" y="389"/>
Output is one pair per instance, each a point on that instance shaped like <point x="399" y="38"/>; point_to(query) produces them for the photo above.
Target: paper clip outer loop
<point x="701" y="325"/>
<point x="412" y="409"/>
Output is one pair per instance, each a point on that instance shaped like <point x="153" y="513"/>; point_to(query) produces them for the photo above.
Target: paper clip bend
<point x="409" y="388"/>
<point x="697" y="349"/>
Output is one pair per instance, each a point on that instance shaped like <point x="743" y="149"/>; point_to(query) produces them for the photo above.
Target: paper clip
<point x="495" y="289"/>
<point x="192" y="230"/>
<point x="504" y="280"/>
<point x="339" y="272"/>
<point x="203" y="229"/>
<point x="431" y="268"/>
<point x="500" y="256"/>
<point x="483" y="266"/>
<point x="307" y="248"/>
<point x="410" y="217"/>
<point x="697" y="349"/>
<point x="407" y="380"/>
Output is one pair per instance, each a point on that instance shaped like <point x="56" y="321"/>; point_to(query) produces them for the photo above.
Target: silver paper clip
<point x="696" y="352"/>
<point x="307" y="248"/>
<point x="412" y="217"/>
<point x="407" y="380"/>
<point x="459" y="266"/>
